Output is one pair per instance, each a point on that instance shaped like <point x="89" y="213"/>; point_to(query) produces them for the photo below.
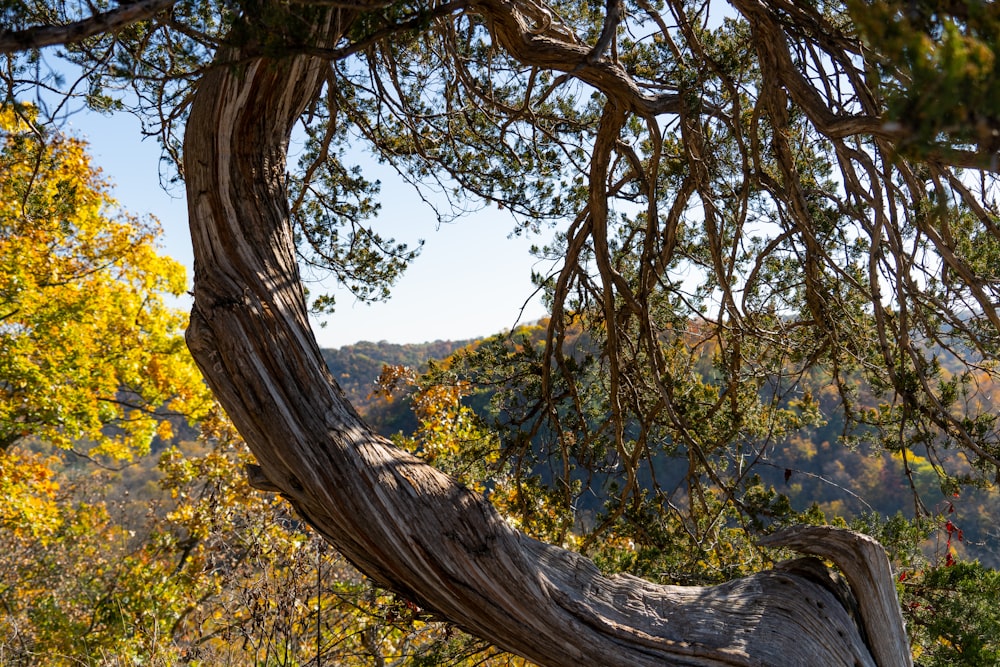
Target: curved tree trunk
<point x="408" y="526"/>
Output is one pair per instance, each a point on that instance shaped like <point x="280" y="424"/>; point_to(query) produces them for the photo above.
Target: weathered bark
<point x="406" y="525"/>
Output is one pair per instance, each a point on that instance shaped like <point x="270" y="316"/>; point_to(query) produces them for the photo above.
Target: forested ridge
<point x="358" y="366"/>
<point x="843" y="472"/>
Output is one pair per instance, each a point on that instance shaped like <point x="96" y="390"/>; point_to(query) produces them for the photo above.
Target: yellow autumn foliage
<point x="29" y="489"/>
<point x="89" y="349"/>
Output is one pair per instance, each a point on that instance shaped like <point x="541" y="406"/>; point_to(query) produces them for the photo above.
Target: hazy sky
<point x="471" y="280"/>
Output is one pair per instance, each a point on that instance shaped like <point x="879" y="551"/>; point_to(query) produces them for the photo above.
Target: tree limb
<point x="112" y="21"/>
<point x="866" y="567"/>
<point x="551" y="49"/>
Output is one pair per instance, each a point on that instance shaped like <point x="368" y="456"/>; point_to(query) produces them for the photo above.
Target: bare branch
<point x="866" y="567"/>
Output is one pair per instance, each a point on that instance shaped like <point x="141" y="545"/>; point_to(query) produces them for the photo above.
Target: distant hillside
<point x="812" y="465"/>
<point x="357" y="366"/>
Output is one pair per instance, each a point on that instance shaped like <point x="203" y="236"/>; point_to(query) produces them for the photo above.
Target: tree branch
<point x="611" y="21"/>
<point x="71" y="33"/>
<point x="550" y="48"/>
<point x="866" y="567"/>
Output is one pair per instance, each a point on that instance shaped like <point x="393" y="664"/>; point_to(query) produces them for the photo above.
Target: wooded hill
<point x="357" y="366"/>
<point x="846" y="475"/>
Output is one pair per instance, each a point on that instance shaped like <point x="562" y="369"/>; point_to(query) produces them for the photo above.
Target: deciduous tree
<point x="89" y="349"/>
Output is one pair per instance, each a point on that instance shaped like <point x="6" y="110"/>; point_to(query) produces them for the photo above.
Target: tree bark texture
<point x="400" y="521"/>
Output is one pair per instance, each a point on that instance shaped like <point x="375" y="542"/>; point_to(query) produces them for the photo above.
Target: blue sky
<point x="471" y="279"/>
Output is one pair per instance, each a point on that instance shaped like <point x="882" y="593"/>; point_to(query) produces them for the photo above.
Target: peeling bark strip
<point x="403" y="523"/>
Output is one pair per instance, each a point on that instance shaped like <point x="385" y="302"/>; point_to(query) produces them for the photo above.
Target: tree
<point x="770" y="184"/>
<point x="92" y="360"/>
<point x="89" y="350"/>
